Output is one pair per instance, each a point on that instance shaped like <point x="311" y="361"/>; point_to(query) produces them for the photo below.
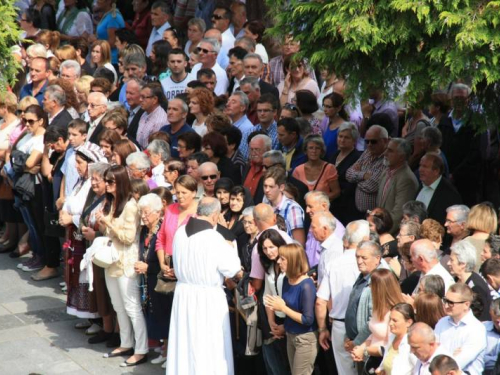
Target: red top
<point x="165" y="237"/>
<point x="142" y="27"/>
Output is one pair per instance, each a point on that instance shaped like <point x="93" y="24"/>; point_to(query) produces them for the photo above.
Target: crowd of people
<point x="260" y="222"/>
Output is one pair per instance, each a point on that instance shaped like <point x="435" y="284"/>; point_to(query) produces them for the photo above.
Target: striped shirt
<point x="150" y="123"/>
<point x="290" y="211"/>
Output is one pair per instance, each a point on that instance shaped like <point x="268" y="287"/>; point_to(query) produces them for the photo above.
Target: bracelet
<point x="284" y="93"/>
<point x="322" y="329"/>
<point x="365" y="353"/>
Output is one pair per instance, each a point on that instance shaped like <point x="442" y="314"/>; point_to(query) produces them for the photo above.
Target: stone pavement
<point x="37" y="336"/>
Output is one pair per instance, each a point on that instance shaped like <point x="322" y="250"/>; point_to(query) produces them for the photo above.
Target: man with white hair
<point x="222" y="57"/>
<point x="54" y="100"/>
<point x="138" y="167"/>
<point x="336" y="287"/>
<point x="202" y="260"/>
<point x="209" y="175"/>
<point x="323" y="226"/>
<point x="97" y="108"/>
<point x="317" y="202"/>
<point x="367" y="171"/>
<point x="70" y="70"/>
<point x="253" y="66"/>
<point x="456" y="222"/>
<point x="424" y="346"/>
<point x="251" y="176"/>
<point x="208" y="49"/>
<point x="236" y="108"/>
<point x="425" y="259"/>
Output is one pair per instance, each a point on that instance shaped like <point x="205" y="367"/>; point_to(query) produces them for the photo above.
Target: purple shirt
<point x="313" y="246"/>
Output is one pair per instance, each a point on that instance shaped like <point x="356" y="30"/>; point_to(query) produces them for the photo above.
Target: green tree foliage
<point x="384" y="43"/>
<point x="9" y="36"/>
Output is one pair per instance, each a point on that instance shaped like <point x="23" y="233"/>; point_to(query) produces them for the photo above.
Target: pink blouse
<point x="329" y="174"/>
<point x="167" y="231"/>
<point x="379" y="330"/>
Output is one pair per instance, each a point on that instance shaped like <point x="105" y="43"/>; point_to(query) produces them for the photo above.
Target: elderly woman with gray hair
<point x="343" y="206"/>
<point x="138" y="167"/>
<point x="155" y="305"/>
<point x="158" y="152"/>
<point x="461" y="264"/>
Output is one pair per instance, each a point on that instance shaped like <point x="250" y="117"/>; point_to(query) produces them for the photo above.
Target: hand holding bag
<point x="164" y="285"/>
<point x="104" y="252"/>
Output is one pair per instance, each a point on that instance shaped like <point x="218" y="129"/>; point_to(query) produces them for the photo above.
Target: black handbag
<point x="51" y="224"/>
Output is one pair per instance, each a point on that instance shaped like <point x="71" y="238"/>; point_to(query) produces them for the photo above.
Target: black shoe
<point x="139" y="362"/>
<point x="8" y="248"/>
<point x="15" y="254"/>
<point x="100" y="337"/>
<point x="114" y="341"/>
<point x="125" y="353"/>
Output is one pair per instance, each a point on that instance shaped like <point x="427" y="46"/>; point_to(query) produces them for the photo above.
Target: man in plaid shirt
<point x="366" y="172"/>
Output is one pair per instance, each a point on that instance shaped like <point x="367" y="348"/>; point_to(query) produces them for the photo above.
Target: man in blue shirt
<point x="39" y="72"/>
<point x="236" y="109"/>
<point x="161" y="14"/>
<point x="176" y="114"/>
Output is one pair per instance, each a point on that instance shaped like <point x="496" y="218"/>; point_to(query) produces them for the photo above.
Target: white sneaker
<point x="62" y="284"/>
<point x="93" y="329"/>
<point x="164" y="365"/>
<point x="159" y="360"/>
<point x="83" y="324"/>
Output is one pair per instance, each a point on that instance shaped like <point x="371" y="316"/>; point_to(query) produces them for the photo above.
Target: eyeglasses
<point x="217" y="16"/>
<point x="96" y="180"/>
<point x="451" y="221"/>
<point x="30" y="122"/>
<point x="371" y="141"/>
<point x="92" y="105"/>
<point x="446" y="301"/>
<point x="402" y="235"/>
<point x="290" y="107"/>
<point x="212" y="177"/>
<point x="270" y="166"/>
<point x="109" y="182"/>
<point x="142" y="97"/>
<point x="204" y="50"/>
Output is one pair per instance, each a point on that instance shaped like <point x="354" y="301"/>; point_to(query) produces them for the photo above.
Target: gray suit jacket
<point x="402" y="188"/>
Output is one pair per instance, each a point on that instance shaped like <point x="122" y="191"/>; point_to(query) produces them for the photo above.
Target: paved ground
<point x="37" y="336"/>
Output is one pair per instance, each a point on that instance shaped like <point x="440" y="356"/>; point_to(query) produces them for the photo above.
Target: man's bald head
<point x="423" y="331"/>
<point x="264" y="216"/>
<point x="215" y="34"/>
<point x="97" y="98"/>
<point x="208" y="167"/>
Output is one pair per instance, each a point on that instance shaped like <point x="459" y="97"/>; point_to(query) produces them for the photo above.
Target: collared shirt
<point x="468" y="335"/>
<point x="27" y="90"/>
<point x="290" y="211"/>
<point x="330" y="249"/>
<point x="390" y="174"/>
<point x="240" y="34"/>
<point x="457" y="123"/>
<point x="53" y="117"/>
<point x="390" y="109"/>
<point x="132" y="113"/>
<point x="156" y="34"/>
<point x="228" y="39"/>
<point x="93" y="124"/>
<point x="236" y="85"/>
<point x="150" y="123"/>
<point x="222" y="81"/>
<point x="492" y="346"/>
<point x="272" y="132"/>
<point x="313" y="247"/>
<point x="277" y="73"/>
<point x="351" y="325"/>
<point x="157" y="175"/>
<point x="366" y="190"/>
<point x="427" y="192"/>
<point x="244" y="124"/>
<point x="338" y="281"/>
<point x="422" y="368"/>
<point x="438" y="269"/>
<point x="253" y="178"/>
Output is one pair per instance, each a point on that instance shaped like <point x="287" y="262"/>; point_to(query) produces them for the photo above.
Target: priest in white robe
<point x="200" y="333"/>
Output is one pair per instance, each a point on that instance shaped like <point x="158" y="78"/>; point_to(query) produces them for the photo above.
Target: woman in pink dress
<point x="176" y="215"/>
<point x="317" y="174"/>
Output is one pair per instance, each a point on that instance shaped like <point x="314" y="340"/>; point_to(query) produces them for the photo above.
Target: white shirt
<point x="438" y="269"/>
<point x="274" y="286"/>
<point x="156" y="34"/>
<point x="222" y="81"/>
<point x="337" y="283"/>
<point x="469" y="335"/>
<point x="228" y="39"/>
<point x="423" y="368"/>
<point x="53" y="117"/>
<point x="331" y="249"/>
<point x="492" y="346"/>
<point x="172" y="88"/>
<point x="93" y="125"/>
<point x="157" y="175"/>
<point x="427" y="192"/>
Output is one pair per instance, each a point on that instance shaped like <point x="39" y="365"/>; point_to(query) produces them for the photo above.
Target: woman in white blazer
<point x="397" y="352"/>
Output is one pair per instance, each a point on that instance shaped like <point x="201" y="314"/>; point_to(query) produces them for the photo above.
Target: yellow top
<point x="388" y="360"/>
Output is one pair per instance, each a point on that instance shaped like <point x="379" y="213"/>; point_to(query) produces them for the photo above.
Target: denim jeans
<point x="34" y="238"/>
<point x="275" y="357"/>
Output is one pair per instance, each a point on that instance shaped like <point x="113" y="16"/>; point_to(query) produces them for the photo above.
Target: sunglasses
<point x="30" y="122"/>
<point x="446" y="301"/>
<point x="272" y="165"/>
<point x="217" y="17"/>
<point x="371" y="141"/>
<point x="109" y="182"/>
<point x="212" y="177"/>
<point x="290" y="107"/>
<point x="204" y="50"/>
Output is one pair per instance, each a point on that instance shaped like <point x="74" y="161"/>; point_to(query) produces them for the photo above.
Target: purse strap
<point x="89" y="209"/>
<point x="320" y="175"/>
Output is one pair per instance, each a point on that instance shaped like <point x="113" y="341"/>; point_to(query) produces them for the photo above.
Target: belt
<point x="339" y="320"/>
